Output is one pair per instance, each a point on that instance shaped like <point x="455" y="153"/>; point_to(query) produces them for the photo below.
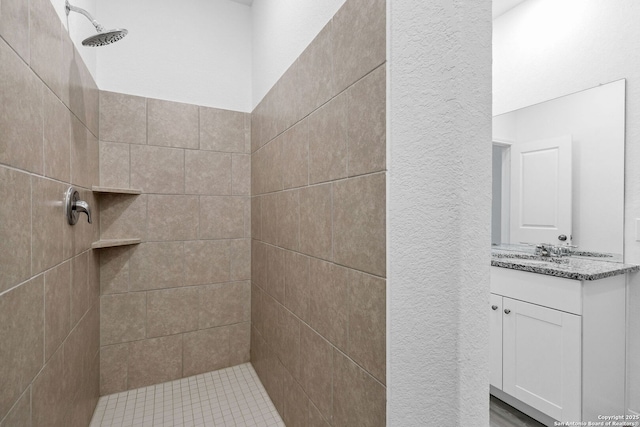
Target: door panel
<point x="542" y="358"/>
<point x="495" y="328"/>
<point x="541" y="190"/>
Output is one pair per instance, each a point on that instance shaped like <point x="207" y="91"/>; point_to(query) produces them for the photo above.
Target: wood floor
<point x="503" y="415"/>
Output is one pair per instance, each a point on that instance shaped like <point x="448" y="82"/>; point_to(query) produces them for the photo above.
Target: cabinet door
<point x="495" y="333"/>
<point x="542" y="358"/>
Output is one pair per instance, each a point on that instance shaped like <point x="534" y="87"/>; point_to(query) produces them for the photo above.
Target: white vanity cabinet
<point x="558" y="345"/>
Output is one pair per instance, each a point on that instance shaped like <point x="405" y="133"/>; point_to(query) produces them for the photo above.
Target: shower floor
<point x="228" y="397"/>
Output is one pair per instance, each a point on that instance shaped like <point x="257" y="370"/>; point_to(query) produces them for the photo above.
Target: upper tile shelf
<point x="113" y="190"/>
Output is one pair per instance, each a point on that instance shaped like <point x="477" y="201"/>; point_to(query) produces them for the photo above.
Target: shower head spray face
<point x="105" y="38"/>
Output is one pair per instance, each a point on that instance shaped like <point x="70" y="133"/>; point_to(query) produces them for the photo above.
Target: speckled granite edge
<point x="558" y="272"/>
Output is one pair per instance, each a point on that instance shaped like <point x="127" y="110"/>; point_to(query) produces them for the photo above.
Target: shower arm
<point x="68" y="7"/>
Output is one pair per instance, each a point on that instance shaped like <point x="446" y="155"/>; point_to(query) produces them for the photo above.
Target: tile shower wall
<point x="318" y="227"/>
<point x="49" y="288"/>
<point x="178" y="304"/>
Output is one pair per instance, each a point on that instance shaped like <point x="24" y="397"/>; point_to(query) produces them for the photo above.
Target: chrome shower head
<point x="103" y="37"/>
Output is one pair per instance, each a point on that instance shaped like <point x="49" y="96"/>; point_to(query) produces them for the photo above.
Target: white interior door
<point x="542" y="358"/>
<point x="541" y="191"/>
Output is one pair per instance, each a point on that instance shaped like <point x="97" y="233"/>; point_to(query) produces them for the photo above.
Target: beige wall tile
<point x="67" y="62"/>
<point x="258" y="354"/>
<point x="269" y="121"/>
<point x="114" y="164"/>
<point x="57" y="128"/>
<point x="316" y="369"/>
<point x="206" y="351"/>
<point x="275" y="382"/>
<point x="154" y="361"/>
<point x="247" y="217"/>
<point x="20" y="414"/>
<point x="221" y="217"/>
<point x="329" y="301"/>
<point x="51" y="394"/>
<point x="273" y="166"/>
<point x="207" y="173"/>
<point x="224" y="304"/>
<point x="15" y="232"/>
<point x="288" y="95"/>
<point x="288" y="228"/>
<point x="366" y="115"/>
<point x="241" y="174"/>
<point x="288" y="343"/>
<point x="296" y="273"/>
<point x="47" y="220"/>
<point x="123" y="216"/>
<point x="358" y="399"/>
<point x="84" y="95"/>
<point x="157" y="169"/>
<point x="259" y="263"/>
<point x="21" y="114"/>
<point x="240" y="259"/>
<point x="46" y="43"/>
<point x="367" y="324"/>
<point x="295" y="156"/>
<point x="14" y="26"/>
<point x="156" y="265"/>
<point x="256" y="124"/>
<point x="270" y="218"/>
<point x="172" y="217"/>
<point x="270" y="317"/>
<point x="172" y="311"/>
<point x="296" y="403"/>
<point x="315" y="221"/>
<point x="328" y="141"/>
<point x="80" y="290"/>
<point x="122" y="317"/>
<point x="315" y="417"/>
<point x="172" y="124"/>
<point x="239" y="343"/>
<point x="247" y="133"/>
<point x="114" y="270"/>
<point x="123" y="118"/>
<point x="57" y="302"/>
<point x="359" y="218"/>
<point x="315" y="68"/>
<point x="256" y="217"/>
<point x="275" y="273"/>
<point x="258" y="172"/>
<point x="359" y="40"/>
<point x="222" y="130"/>
<point x="114" y="360"/>
<point x="84" y="155"/>
<point x="22" y="338"/>
<point x="207" y="261"/>
<point x="256" y="308"/>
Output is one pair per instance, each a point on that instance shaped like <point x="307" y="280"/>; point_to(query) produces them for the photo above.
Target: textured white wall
<point x="438" y="223"/>
<point x="193" y="51"/>
<point x="80" y="28"/>
<point x="282" y="29"/>
<point x="544" y="49"/>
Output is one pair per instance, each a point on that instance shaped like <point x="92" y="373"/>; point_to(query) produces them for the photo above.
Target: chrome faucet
<point x="73" y="206"/>
<point x="549" y="250"/>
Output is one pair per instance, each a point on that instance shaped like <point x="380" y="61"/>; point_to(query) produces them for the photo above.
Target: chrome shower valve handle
<point x="73" y="206"/>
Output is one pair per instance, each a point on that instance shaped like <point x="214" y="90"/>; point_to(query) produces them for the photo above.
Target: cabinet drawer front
<point x="549" y="291"/>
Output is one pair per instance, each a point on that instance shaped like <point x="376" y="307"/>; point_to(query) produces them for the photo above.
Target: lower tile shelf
<point x="100" y="244"/>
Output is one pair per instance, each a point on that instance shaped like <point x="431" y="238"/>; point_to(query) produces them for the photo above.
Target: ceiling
<point x="247" y="2"/>
<point x="502" y="6"/>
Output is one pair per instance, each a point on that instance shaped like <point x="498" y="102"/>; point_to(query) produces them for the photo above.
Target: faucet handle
<point x="73" y="206"/>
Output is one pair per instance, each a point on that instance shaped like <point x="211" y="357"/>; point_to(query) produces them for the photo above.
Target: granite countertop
<point x="567" y="267"/>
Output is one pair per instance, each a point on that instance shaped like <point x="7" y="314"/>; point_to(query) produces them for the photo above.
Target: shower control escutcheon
<point x="73" y="206"/>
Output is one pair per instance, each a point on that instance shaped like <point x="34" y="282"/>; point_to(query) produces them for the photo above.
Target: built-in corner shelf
<point x="101" y="244"/>
<point x="113" y="190"/>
